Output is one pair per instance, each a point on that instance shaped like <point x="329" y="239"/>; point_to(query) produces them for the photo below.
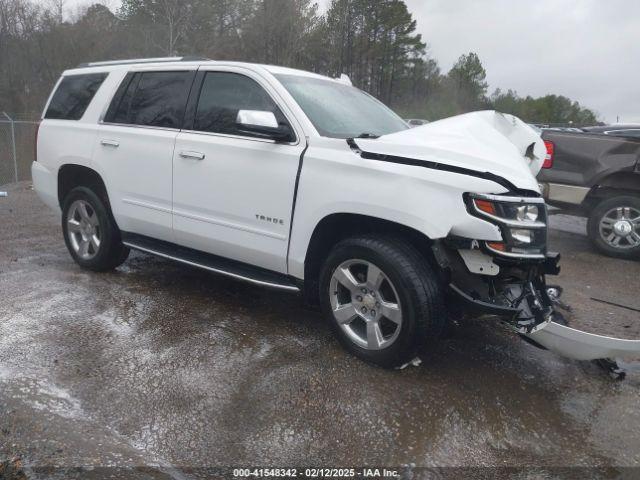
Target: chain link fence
<point x="17" y="147"/>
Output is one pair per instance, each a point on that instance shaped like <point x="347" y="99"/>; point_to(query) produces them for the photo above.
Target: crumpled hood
<point x="486" y="141"/>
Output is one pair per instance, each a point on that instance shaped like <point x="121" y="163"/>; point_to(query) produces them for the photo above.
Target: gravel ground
<point x="162" y="371"/>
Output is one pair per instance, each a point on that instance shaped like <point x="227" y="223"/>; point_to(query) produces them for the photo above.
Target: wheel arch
<point x="337" y="226"/>
<point x="72" y="175"/>
<point x="613" y="185"/>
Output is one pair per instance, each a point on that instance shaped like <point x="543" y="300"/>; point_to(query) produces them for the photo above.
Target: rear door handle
<point x="109" y="143"/>
<point x="192" y="155"/>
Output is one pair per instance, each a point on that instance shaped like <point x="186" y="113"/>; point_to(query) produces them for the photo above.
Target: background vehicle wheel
<point x="90" y="233"/>
<point x="382" y="298"/>
<point x="614" y="227"/>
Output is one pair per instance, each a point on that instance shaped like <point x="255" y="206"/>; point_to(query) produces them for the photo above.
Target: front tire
<point x="90" y="232"/>
<point x="382" y="298"/>
<point x="614" y="227"/>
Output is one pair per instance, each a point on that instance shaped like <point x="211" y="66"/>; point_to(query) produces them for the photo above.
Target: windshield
<point x="341" y="111"/>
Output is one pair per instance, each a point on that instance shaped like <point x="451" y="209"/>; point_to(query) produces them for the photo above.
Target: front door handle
<point x="109" y="143"/>
<point x="192" y="155"/>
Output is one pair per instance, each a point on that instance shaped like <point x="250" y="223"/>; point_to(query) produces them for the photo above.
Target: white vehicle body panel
<point x="335" y="179"/>
<point x="580" y="345"/>
<point x="485" y="141"/>
<point x="236" y="201"/>
<point x="60" y="145"/>
<point x="136" y="164"/>
<point x="45" y="183"/>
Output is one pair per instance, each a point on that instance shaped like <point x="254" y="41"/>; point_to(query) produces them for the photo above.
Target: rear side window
<point x="152" y="99"/>
<point x="223" y="95"/>
<point x="73" y="96"/>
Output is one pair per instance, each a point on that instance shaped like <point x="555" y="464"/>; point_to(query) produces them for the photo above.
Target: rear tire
<point x="608" y="225"/>
<point x="406" y="290"/>
<point x="90" y="232"/>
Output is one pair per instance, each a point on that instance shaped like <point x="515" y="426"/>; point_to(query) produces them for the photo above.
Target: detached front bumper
<point x="580" y="345"/>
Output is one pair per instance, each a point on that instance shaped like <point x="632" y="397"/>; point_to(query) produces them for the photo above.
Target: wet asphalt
<point x="169" y="367"/>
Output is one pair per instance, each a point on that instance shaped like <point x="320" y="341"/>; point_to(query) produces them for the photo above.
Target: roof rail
<point x="143" y="60"/>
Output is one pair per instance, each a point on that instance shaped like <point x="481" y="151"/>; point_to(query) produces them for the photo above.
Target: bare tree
<point x="57" y="8"/>
<point x="175" y="14"/>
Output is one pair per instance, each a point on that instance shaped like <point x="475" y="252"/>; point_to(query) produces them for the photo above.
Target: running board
<point x="212" y="263"/>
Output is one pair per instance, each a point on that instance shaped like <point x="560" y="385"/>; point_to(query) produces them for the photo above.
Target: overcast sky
<point x="588" y="50"/>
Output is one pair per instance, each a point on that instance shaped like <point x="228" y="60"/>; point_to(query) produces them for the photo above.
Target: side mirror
<point x="263" y="124"/>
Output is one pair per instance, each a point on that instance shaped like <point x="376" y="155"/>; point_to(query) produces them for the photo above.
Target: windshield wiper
<point x="368" y="135"/>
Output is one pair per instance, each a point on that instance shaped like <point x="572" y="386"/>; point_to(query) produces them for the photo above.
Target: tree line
<point x="373" y="41"/>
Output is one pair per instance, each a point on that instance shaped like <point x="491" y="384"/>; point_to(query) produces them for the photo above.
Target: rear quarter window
<point x="73" y="96"/>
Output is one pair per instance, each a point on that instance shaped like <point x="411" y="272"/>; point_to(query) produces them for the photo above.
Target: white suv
<point x="300" y="182"/>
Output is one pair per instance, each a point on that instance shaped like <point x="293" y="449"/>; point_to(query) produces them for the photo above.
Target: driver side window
<point x="222" y="95"/>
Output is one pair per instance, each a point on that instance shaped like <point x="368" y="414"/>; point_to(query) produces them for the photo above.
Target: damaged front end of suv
<point x="504" y="278"/>
<point x="497" y="268"/>
<point x="507" y="279"/>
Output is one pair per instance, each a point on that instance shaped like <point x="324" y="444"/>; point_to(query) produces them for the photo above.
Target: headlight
<point x="522" y="236"/>
<point x="522" y="221"/>
<point x="527" y="213"/>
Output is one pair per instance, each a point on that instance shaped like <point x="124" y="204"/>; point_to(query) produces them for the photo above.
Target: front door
<point x="233" y="192"/>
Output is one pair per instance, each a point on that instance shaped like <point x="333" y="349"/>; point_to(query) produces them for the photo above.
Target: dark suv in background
<point x="596" y="173"/>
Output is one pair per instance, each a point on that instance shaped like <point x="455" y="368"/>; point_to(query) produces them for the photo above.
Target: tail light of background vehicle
<point x="548" y="159"/>
<point x="35" y="143"/>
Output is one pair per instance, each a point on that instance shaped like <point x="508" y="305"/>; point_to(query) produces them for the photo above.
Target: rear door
<point x="135" y="148"/>
<point x="233" y="192"/>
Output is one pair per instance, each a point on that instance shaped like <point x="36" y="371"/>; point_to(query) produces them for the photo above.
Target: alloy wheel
<point x="365" y="304"/>
<point x="83" y="228"/>
<point x="620" y="227"/>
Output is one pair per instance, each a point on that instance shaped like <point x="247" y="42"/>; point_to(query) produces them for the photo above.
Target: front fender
<point x="335" y="180"/>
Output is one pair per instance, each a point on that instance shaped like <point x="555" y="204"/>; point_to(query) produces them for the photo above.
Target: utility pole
<point x="13" y="145"/>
